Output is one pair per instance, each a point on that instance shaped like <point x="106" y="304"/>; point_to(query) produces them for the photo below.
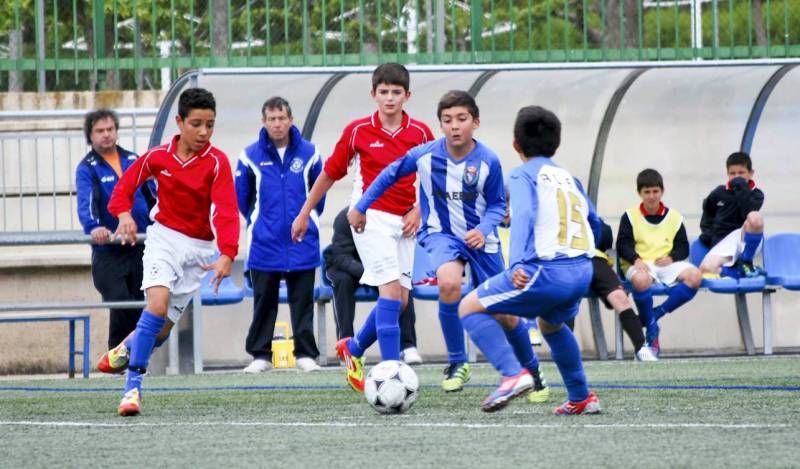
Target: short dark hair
<point x="195" y="98"/>
<point x="390" y="74"/>
<point x="739" y="158"/>
<point x="276" y="102"/>
<point x="93" y="117"/>
<point x="455" y="98"/>
<point x="537" y="131"/>
<point x="649" y="178"/>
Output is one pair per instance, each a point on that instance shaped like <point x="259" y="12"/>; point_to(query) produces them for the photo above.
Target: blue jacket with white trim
<point x="95" y="181"/>
<point x="271" y="193"/>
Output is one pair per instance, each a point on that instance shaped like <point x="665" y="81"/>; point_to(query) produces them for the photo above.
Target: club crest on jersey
<point x="470" y="175"/>
<point x="297" y="165"/>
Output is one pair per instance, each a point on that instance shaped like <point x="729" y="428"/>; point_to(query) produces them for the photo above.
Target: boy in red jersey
<point x="386" y="246"/>
<point x="195" y="189"/>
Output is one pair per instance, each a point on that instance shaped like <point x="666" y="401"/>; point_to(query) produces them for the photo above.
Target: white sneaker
<point x="645" y="354"/>
<point x="411" y="356"/>
<point x="259" y="365"/>
<point x="307" y="364"/>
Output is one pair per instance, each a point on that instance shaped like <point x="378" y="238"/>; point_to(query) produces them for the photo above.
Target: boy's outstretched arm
<point x="387" y="178"/>
<point x="321" y="186"/>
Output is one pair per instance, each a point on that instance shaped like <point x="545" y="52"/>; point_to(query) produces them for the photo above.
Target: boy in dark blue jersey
<point x="462" y="200"/>
<point x="552" y="242"/>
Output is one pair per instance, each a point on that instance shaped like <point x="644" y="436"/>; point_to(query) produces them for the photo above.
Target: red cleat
<point x="590" y="405"/>
<point x="355" y="365"/>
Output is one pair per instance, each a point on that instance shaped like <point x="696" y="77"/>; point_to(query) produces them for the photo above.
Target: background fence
<point x="39" y="153"/>
<point x="140" y="44"/>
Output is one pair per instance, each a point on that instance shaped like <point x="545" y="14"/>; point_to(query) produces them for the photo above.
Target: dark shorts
<point x="604" y="280"/>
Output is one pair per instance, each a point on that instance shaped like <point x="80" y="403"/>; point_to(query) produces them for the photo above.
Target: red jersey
<point x="370" y="148"/>
<point x="188" y="192"/>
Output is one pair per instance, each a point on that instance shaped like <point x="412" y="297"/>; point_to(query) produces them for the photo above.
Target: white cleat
<point x="307" y="364"/>
<point x="645" y="354"/>
<point x="411" y="356"/>
<point x="259" y="365"/>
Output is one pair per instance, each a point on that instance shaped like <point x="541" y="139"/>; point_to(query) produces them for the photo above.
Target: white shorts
<point x="387" y="256"/>
<point x="173" y="260"/>
<point x="731" y="247"/>
<point x="667" y="275"/>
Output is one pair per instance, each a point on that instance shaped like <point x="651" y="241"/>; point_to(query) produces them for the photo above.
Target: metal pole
<point x="99" y="40"/>
<point x="715" y="6"/>
<point x="440" y="35"/>
<point x="476" y="25"/>
<point x="697" y="25"/>
<point x="40" y="79"/>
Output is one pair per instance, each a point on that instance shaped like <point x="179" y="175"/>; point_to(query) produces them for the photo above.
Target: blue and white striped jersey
<point x="455" y="195"/>
<point x="551" y="216"/>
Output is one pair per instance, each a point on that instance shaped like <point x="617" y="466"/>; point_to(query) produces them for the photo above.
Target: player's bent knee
<point x="641" y="282"/>
<point x="449" y="290"/>
<point x="507" y="321"/>
<point x="619" y="299"/>
<point x="470" y="304"/>
<point x="754" y="223"/>
<point x="546" y="328"/>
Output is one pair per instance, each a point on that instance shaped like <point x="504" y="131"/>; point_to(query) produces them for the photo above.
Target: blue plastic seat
<point x="227" y="294"/>
<point x="325" y="290"/>
<point x="698" y="250"/>
<point x="782" y="260"/>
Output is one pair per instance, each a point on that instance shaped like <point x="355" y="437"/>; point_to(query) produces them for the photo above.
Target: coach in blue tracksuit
<point x="116" y="269"/>
<point x="273" y="178"/>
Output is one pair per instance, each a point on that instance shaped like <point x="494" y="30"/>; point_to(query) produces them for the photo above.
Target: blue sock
<point x="144" y="338"/>
<point x="565" y="352"/>
<point x="365" y="336"/>
<point x="453" y="332"/>
<point x="751" y="242"/>
<point x="487" y="334"/>
<point x="644" y="305"/>
<point x="387" y="323"/>
<point x="678" y="295"/>
<point x="521" y="343"/>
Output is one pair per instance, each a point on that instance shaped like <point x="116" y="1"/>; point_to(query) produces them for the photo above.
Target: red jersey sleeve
<point x="122" y="197"/>
<point x="336" y="164"/>
<point x="225" y="216"/>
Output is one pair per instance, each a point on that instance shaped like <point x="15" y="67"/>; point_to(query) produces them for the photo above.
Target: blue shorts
<point x="553" y="293"/>
<point x="443" y="248"/>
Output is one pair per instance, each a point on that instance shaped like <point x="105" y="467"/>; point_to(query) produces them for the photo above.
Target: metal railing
<point x="127" y="44"/>
<point x="39" y="153"/>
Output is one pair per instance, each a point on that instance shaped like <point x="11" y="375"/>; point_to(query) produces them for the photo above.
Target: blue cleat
<point x="510" y="388"/>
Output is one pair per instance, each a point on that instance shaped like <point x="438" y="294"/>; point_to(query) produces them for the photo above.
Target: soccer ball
<point x="391" y="387"/>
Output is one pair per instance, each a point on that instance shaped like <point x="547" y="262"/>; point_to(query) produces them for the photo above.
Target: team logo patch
<point x="470" y="175"/>
<point x="297" y="165"/>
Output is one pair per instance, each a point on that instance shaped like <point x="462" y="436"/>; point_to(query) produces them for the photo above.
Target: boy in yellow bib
<point x="652" y="246"/>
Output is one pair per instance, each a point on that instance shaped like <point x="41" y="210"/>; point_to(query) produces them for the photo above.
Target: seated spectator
<point x="652" y="247"/>
<point x="344" y="269"/>
<point x="731" y="225"/>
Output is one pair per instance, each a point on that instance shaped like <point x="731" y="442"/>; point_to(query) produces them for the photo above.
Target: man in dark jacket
<point x="344" y="269"/>
<point x="273" y="178"/>
<point x="116" y="269"/>
<point x="731" y="225"/>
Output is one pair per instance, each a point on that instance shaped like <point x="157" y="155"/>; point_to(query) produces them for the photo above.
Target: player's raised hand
<point x="299" y="227"/>
<point x="474" y="238"/>
<point x="126" y="230"/>
<point x="411" y="222"/>
<point x="221" y="268"/>
<point x="520" y="278"/>
<point x="357" y="220"/>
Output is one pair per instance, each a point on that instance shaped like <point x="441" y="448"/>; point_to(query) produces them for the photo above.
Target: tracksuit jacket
<point x="271" y="193"/>
<point x="95" y="181"/>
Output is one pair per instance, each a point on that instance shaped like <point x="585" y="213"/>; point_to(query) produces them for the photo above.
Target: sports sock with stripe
<point x="144" y="339"/>
<point x="453" y="332"/>
<point x="565" y="352"/>
<point x="487" y="334"/>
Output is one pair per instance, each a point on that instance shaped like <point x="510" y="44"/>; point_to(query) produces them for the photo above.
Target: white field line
<point x="31" y="423"/>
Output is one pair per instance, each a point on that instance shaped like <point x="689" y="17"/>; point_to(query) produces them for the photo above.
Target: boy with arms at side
<point x="386" y="248"/>
<point x="551" y="246"/>
<point x="195" y="189"/>
<point x="462" y="200"/>
<point x="731" y="224"/>
<point x="652" y="246"/>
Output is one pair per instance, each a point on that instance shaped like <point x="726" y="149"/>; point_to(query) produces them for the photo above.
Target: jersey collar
<point x="662" y="210"/>
<point x="750" y="183"/>
<point x="375" y="120"/>
<point x="173" y="148"/>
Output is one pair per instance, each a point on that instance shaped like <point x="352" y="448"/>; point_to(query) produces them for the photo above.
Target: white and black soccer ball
<point x="391" y="387"/>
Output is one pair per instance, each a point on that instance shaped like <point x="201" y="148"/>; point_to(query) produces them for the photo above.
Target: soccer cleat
<point x="258" y="365"/>
<point x="540" y="392"/>
<point x="748" y="270"/>
<point x="590" y="405"/>
<point x="411" y="356"/>
<point x="354" y="365"/>
<point x="646" y="354"/>
<point x="115" y="360"/>
<point x="651" y="336"/>
<point x="131" y="404"/>
<point x="456" y="375"/>
<point x="510" y="387"/>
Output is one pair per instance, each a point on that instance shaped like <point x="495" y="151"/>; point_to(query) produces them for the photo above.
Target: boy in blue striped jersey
<point x="463" y="200"/>
<point x="553" y="226"/>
